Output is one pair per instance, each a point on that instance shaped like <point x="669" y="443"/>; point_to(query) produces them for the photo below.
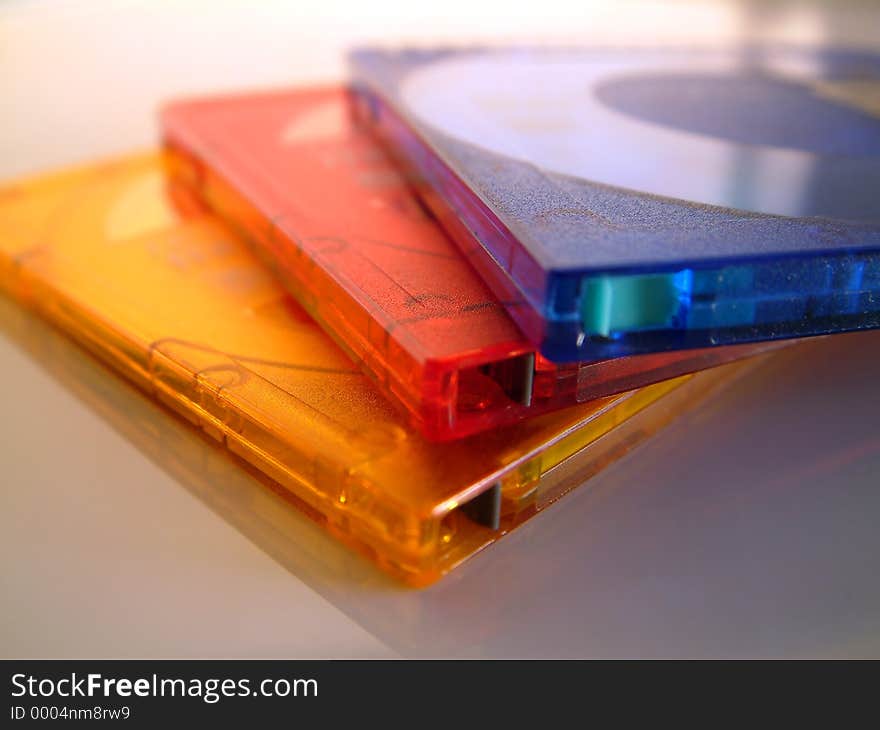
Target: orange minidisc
<point x="176" y="303"/>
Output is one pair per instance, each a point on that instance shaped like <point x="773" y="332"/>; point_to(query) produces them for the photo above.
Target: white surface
<point x="748" y="528"/>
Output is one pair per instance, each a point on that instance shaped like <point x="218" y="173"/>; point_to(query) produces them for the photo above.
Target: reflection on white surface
<point x="748" y="528"/>
<point x="109" y="545"/>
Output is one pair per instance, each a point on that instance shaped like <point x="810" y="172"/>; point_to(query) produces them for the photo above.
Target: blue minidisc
<point x="622" y="202"/>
